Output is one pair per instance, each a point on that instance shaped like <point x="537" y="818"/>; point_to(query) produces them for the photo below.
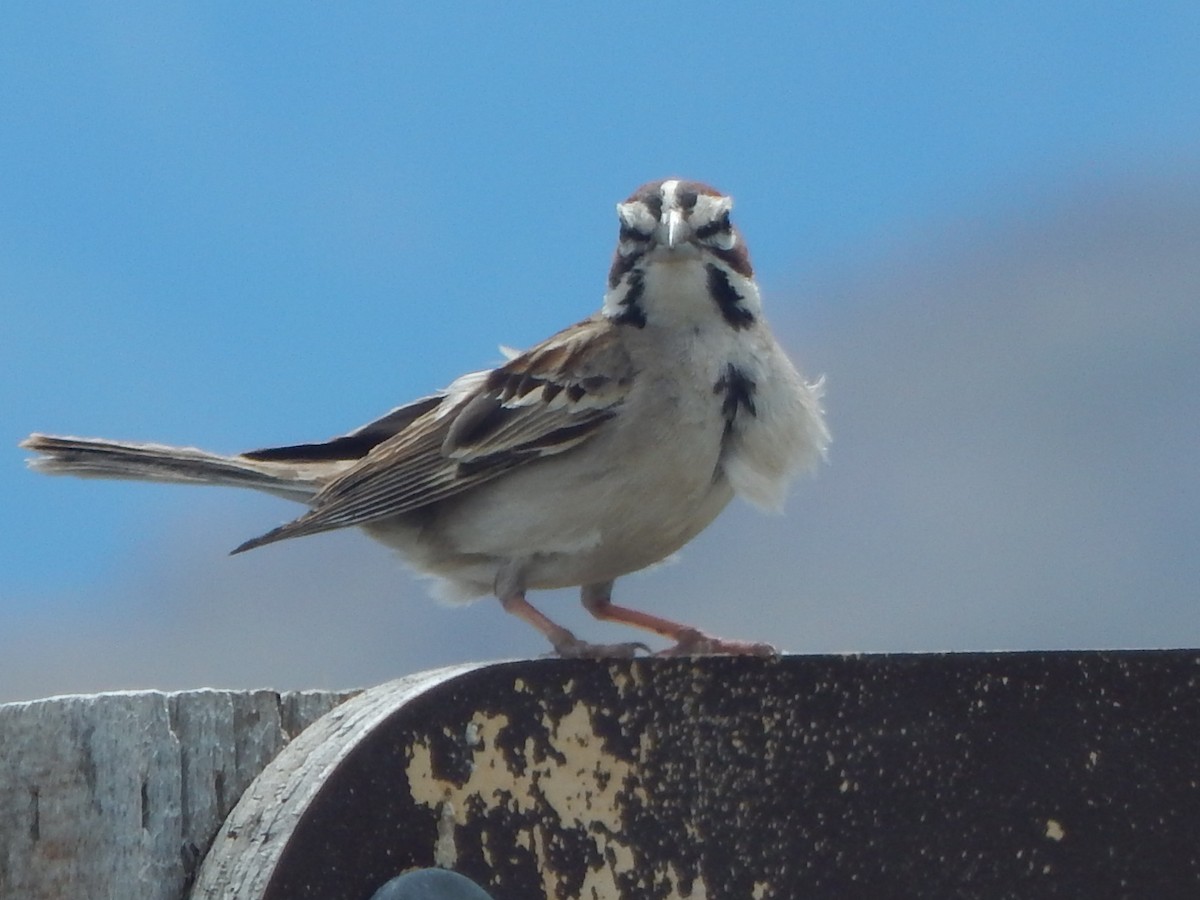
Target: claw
<point x="577" y="649"/>
<point x="693" y="642"/>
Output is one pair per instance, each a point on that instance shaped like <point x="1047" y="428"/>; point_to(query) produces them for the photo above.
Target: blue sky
<point x="233" y="225"/>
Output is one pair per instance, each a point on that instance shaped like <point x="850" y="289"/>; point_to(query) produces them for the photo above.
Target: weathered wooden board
<point x="118" y="795"/>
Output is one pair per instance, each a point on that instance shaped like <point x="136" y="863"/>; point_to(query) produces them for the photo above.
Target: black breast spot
<point x="737" y="389"/>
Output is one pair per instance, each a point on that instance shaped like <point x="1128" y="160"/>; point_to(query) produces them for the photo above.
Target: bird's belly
<point x="638" y="526"/>
<point x="588" y="515"/>
<point x="581" y="524"/>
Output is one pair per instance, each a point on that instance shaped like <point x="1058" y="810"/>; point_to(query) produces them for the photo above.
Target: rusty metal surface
<point x="1031" y="774"/>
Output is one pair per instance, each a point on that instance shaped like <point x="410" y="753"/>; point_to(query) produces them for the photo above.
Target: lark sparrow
<point x="598" y="452"/>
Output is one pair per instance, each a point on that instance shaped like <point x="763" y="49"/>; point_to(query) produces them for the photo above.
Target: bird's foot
<point x="577" y="649"/>
<point x="693" y="642"/>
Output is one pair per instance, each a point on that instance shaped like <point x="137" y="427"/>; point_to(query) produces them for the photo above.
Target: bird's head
<point x="677" y="219"/>
<point x="679" y="225"/>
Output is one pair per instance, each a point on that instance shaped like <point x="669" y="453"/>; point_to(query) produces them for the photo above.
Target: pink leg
<point x="597" y="599"/>
<point x="565" y="643"/>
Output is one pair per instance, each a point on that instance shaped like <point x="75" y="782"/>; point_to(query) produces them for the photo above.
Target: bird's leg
<point x="512" y="597"/>
<point x="597" y="599"/>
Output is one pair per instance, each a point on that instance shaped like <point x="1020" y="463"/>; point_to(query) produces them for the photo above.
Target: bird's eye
<point x="629" y="233"/>
<point x="713" y="228"/>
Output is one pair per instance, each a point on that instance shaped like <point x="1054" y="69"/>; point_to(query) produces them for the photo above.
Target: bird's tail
<point x="99" y="458"/>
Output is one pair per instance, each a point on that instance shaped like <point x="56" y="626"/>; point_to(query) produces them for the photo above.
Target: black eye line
<point x="629" y="233"/>
<point x="704" y="232"/>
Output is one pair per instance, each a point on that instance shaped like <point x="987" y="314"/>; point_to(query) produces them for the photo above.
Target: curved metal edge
<point x="243" y="855"/>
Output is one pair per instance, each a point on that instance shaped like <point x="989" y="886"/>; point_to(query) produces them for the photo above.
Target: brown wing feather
<point x="516" y="415"/>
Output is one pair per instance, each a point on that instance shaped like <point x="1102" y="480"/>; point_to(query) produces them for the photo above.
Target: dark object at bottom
<point x="431" y="884"/>
<point x="963" y="775"/>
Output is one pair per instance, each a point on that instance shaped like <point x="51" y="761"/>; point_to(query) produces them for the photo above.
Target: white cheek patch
<point x="725" y="240"/>
<point x="637" y="216"/>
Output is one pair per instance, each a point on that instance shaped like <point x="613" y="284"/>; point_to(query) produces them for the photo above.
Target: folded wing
<point x="540" y="403"/>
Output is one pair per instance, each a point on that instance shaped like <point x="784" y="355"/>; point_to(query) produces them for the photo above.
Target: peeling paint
<point x="584" y="788"/>
<point x="445" y="850"/>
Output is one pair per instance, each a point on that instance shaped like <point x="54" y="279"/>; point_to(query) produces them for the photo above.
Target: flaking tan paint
<point x="586" y="789"/>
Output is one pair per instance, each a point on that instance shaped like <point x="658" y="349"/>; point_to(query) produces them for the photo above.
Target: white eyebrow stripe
<point x="711" y="208"/>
